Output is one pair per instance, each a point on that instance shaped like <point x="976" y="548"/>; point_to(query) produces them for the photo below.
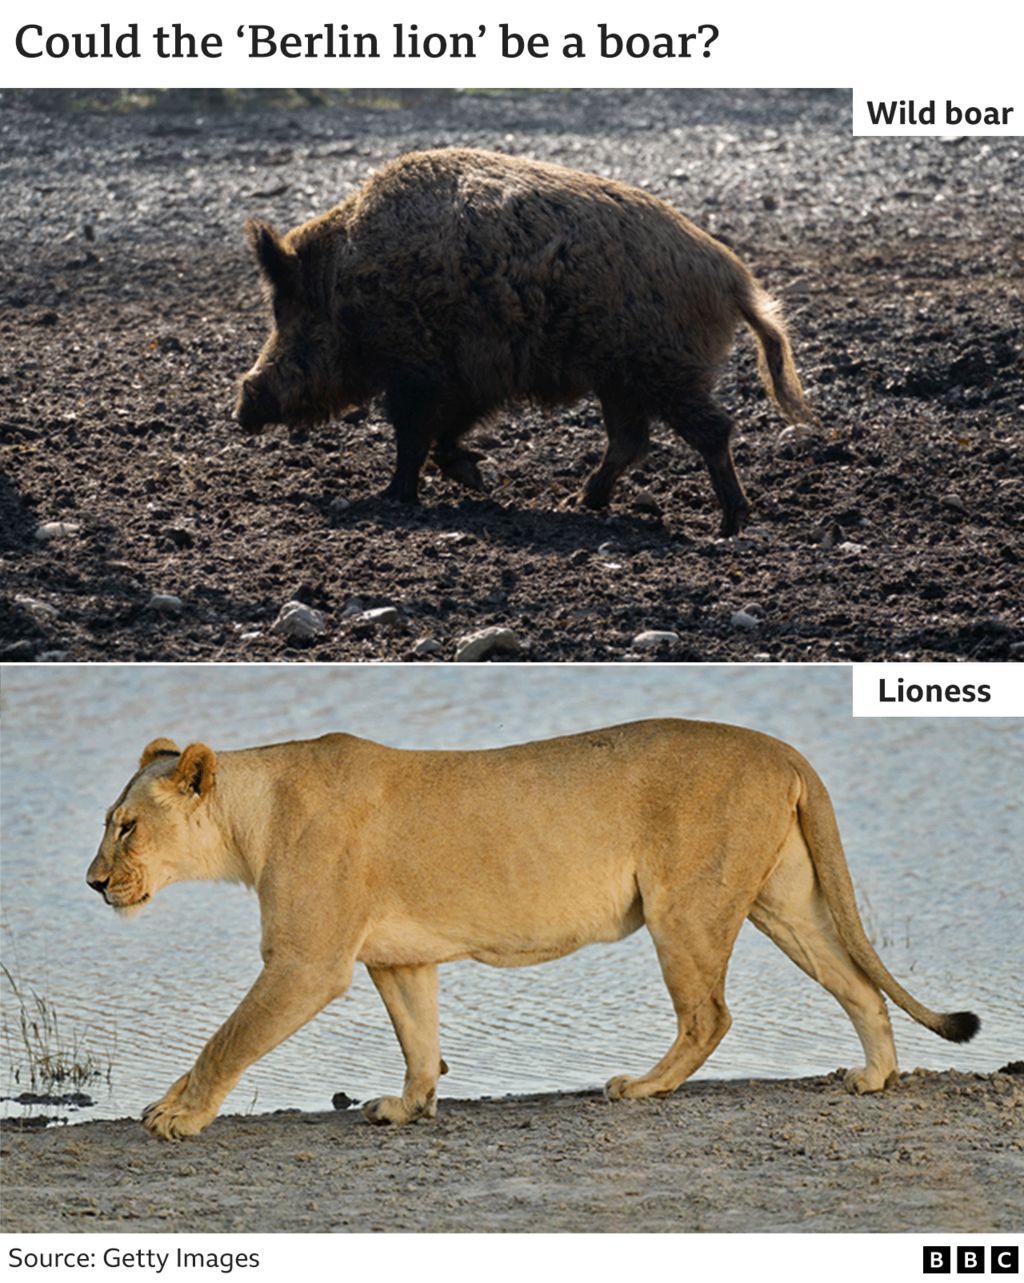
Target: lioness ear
<point x="276" y="263"/>
<point x="195" y="770"/>
<point x="157" y="748"/>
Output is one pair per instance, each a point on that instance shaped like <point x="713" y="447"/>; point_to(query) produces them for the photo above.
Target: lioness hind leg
<point x="693" y="938"/>
<point x="792" y="910"/>
<point x="701" y="1029"/>
<point x="410" y="995"/>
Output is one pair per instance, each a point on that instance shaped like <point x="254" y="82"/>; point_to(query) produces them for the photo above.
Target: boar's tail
<point x="775" y="356"/>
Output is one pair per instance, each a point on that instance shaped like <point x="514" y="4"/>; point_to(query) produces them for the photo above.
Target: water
<point x="930" y="811"/>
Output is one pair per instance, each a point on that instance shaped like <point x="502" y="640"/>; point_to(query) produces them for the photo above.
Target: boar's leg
<point x="458" y="463"/>
<point x="413" y="445"/>
<point x="422" y="418"/>
<point x="628" y="440"/>
<point x="425" y="417"/>
<point x="708" y="429"/>
<point x="412" y="409"/>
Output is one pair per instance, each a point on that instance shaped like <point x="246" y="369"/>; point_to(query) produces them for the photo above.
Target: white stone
<point x="379" y="615"/>
<point x="166" y="603"/>
<point x="298" y="621"/>
<point x="744" y="619"/>
<point x="51" y="530"/>
<point x="485" y="642"/>
<point x="426" y="646"/>
<point x="653" y="637"/>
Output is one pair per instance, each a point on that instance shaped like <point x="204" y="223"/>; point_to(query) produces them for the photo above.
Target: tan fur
<point x="404" y="860"/>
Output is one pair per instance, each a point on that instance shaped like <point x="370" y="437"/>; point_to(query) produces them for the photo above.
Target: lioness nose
<point x="98" y="884"/>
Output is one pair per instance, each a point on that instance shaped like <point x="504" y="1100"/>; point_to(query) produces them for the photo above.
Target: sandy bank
<point x="938" y="1152"/>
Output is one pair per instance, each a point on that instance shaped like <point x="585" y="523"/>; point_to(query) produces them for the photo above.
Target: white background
<point x="546" y="1258"/>
<point x="970" y="54"/>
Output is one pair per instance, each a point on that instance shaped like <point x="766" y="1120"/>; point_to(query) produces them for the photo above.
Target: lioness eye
<point x="124" y="828"/>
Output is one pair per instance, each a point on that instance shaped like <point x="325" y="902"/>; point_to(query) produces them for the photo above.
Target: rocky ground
<point x="938" y="1152"/>
<point x="139" y="523"/>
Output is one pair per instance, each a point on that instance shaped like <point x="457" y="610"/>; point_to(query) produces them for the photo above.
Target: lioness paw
<point x="861" y="1082"/>
<point x="171" y="1118"/>
<point x="393" y="1109"/>
<point x="618" y="1088"/>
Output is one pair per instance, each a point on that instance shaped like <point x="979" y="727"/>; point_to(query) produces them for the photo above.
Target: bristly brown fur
<point x="456" y="281"/>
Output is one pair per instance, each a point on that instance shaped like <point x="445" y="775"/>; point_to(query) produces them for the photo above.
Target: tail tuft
<point x="775" y="356"/>
<point x="959" y="1026"/>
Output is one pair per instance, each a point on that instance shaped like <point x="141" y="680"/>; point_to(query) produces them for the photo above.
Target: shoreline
<point x="939" y="1151"/>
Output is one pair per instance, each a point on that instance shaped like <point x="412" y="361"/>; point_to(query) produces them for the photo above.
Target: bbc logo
<point x="970" y="1260"/>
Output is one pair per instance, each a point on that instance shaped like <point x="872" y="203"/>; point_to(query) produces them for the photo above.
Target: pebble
<point x="353" y="607"/>
<point x="426" y="646"/>
<point x="653" y="637"/>
<point x="298" y="621"/>
<point x="744" y="619"/>
<point x="166" y="603"/>
<point x="954" y="501"/>
<point x="646" y="502"/>
<point x="339" y="505"/>
<point x="379" y="615"/>
<point x="797" y="437"/>
<point x="486" y="642"/>
<point x="51" y="530"/>
<point x="36" y="607"/>
<point x="1017" y="648"/>
<point x="849" y="546"/>
<point x="52" y="657"/>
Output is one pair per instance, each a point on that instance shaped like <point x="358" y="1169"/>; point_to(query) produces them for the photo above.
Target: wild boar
<point x="456" y="281"/>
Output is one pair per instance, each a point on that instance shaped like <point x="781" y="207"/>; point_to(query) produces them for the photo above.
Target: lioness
<point x="402" y="860"/>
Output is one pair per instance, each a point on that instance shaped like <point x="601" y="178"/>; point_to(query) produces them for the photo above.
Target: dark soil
<point x="937" y="1152"/>
<point x="130" y="307"/>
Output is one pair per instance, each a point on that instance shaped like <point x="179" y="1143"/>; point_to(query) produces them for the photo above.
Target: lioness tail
<point x="821" y="833"/>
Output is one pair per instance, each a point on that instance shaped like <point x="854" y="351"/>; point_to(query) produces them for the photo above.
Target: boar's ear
<point x="276" y="263"/>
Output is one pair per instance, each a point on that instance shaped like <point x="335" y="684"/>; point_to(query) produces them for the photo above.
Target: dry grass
<point x="43" y="1053"/>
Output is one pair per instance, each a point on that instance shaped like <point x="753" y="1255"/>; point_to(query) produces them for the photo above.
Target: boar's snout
<point x="256" y="406"/>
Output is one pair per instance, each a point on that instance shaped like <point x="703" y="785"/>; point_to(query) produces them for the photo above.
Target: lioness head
<point x="159" y="830"/>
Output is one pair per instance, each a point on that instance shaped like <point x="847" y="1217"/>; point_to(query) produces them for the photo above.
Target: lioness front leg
<point x="284" y="996"/>
<point x="410" y="995"/>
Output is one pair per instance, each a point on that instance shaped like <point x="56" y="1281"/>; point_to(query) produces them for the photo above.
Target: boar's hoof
<point x="401" y="492"/>
<point x="733" y="520"/>
<point x="593" y="497"/>
<point x="462" y="466"/>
